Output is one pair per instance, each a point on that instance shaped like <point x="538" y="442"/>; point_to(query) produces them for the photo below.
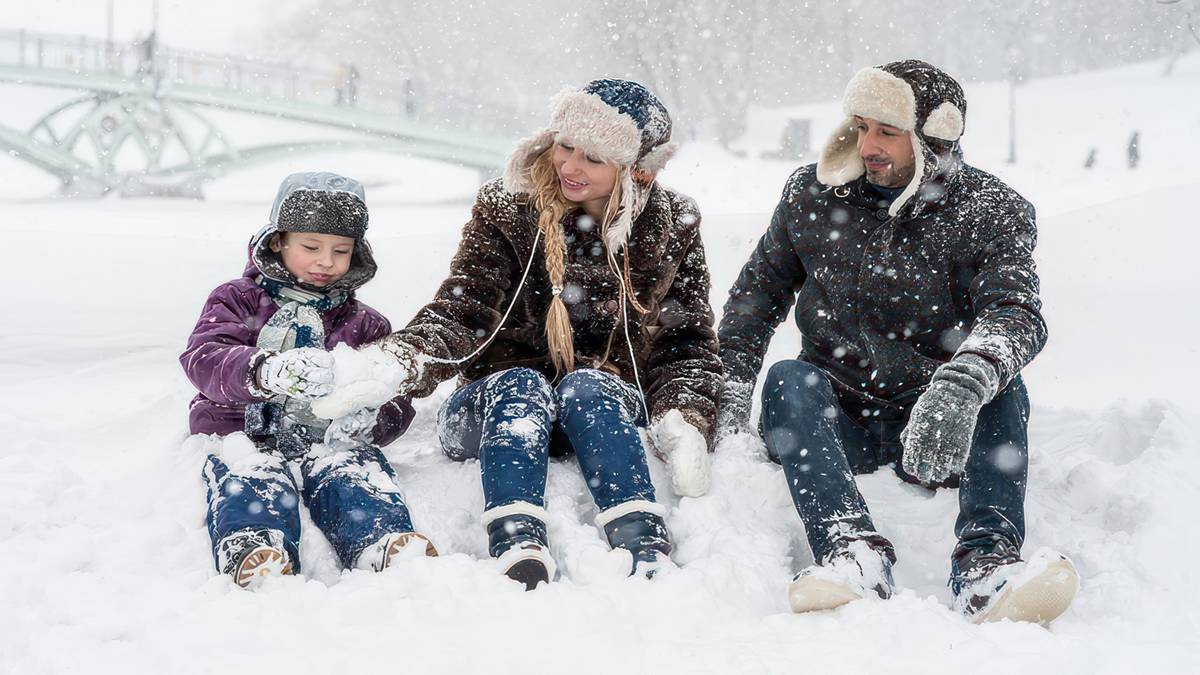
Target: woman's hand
<point x="686" y="453"/>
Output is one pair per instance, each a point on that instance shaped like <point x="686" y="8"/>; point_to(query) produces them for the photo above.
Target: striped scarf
<point x="297" y="323"/>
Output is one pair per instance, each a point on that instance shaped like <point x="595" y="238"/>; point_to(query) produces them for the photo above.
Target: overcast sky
<point x="209" y="25"/>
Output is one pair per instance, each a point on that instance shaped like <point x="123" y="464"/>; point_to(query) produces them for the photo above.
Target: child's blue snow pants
<point x="352" y="497"/>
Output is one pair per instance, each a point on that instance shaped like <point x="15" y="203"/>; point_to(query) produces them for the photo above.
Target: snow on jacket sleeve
<point x="393" y="417"/>
<point x="684" y="368"/>
<point x="760" y="299"/>
<point x="221" y="356"/>
<point x="1009" y="329"/>
<point x="467" y="306"/>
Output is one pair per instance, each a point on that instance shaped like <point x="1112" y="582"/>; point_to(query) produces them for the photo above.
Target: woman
<point x="576" y="310"/>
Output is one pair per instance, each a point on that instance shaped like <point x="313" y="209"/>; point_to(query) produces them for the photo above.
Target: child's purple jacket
<point x="221" y="355"/>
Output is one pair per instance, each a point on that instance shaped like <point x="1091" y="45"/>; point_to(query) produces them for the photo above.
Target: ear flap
<point x="516" y="172"/>
<point x="945" y="122"/>
<point x="839" y="162"/>
<point x="657" y="158"/>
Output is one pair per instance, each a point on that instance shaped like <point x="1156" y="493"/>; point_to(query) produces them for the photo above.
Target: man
<point x="918" y="306"/>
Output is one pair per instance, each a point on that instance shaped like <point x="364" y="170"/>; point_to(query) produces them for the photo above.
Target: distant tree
<point x="1190" y="10"/>
<point x="494" y="64"/>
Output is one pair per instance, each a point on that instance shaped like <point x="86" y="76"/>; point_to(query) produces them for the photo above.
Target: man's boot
<point x="855" y="570"/>
<point x="996" y="584"/>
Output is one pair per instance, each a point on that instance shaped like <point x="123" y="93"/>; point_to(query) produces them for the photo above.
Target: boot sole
<point x="259" y="564"/>
<point x="528" y="564"/>
<point x="1040" y="600"/>
<point x="404" y="540"/>
<point x="529" y="572"/>
<point x="808" y="594"/>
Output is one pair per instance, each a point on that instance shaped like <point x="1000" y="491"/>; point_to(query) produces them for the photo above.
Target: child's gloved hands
<point x="686" y="453"/>
<point x="304" y="373"/>
<point x="353" y="430"/>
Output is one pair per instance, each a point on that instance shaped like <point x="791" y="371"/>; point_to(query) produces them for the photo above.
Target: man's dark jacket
<point x="882" y="301"/>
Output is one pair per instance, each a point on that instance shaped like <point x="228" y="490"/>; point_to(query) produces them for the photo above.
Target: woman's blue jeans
<point x="513" y="420"/>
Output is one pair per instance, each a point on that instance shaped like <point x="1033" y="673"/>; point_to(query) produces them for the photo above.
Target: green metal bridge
<point x="140" y="127"/>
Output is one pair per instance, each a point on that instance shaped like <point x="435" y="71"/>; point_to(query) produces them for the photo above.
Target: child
<point x="258" y="357"/>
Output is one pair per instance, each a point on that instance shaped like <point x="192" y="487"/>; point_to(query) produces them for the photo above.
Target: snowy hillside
<point x="105" y="564"/>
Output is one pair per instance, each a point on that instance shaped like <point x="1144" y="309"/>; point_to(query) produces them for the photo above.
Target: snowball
<point x="364" y="378"/>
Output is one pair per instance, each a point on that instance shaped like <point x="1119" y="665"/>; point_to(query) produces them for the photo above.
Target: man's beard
<point x="893" y="177"/>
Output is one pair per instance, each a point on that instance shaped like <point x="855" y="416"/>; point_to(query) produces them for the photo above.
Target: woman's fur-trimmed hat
<point x="617" y="121"/>
<point x="911" y="95"/>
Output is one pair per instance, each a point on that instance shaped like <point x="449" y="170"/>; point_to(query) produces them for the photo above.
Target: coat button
<point x="882" y="214"/>
<point x="611" y="305"/>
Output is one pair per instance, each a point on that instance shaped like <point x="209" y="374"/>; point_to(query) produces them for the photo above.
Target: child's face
<point x="315" y="259"/>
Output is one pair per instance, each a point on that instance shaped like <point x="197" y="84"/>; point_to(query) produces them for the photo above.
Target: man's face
<point x="886" y="152"/>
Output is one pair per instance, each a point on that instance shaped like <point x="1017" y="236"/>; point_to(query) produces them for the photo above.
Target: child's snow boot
<point x="990" y="587"/>
<point x="517" y="540"/>
<point x="392" y="547"/>
<point x="638" y="527"/>
<point x="854" y="571"/>
<point x="250" y="556"/>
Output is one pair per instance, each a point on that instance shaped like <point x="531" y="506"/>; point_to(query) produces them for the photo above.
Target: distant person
<point x="352" y="85"/>
<point x="1132" y="153"/>
<point x="148" y="54"/>
<point x="575" y="313"/>
<point x="917" y="302"/>
<point x="257" y="355"/>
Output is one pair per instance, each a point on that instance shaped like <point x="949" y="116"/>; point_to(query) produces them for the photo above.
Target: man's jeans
<point x="821" y="448"/>
<point x="511" y="420"/>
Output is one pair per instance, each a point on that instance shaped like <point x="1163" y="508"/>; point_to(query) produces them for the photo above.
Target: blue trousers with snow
<point x="821" y="448"/>
<point x="352" y="497"/>
<point x="513" y="420"/>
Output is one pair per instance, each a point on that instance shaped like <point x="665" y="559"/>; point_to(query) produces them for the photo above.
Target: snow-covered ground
<point x="105" y="563"/>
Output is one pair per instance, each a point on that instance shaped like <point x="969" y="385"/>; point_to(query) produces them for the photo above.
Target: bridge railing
<point x="145" y="59"/>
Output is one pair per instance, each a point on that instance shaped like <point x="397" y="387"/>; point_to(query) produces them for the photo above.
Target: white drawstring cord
<point x="512" y="303"/>
<point x="629" y="342"/>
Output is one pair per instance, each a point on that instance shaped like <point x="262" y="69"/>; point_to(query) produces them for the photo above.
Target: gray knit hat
<point x="320" y="202"/>
<point x="323" y="203"/>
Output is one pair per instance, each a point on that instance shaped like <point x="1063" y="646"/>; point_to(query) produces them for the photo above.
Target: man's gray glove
<point x="304" y="373"/>
<point x="353" y="430"/>
<point x="736" y="404"/>
<point x="941" y="427"/>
